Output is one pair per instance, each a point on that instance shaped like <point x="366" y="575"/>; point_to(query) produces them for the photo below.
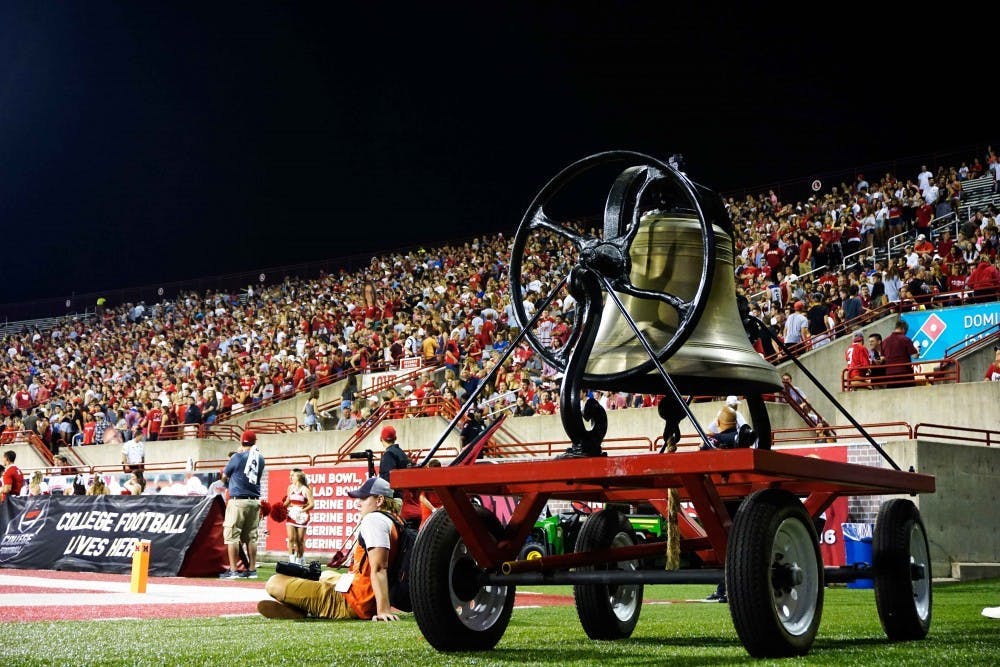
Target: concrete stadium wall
<point x="958" y="515"/>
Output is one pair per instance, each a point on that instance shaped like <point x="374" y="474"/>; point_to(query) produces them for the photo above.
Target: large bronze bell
<point x="717" y="359"/>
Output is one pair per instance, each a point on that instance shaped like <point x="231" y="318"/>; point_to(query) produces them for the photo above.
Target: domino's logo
<point x="928" y="334"/>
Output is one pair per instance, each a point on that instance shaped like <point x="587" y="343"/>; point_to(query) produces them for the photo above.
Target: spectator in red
<point x="774" y="256"/>
<point x="858" y="362"/>
<point x="153" y="421"/>
<point x="922" y="225"/>
<point x="944" y="244"/>
<point x="984" y="280"/>
<point x="923" y="247"/>
<point x="13" y="478"/>
<point x="546" y="406"/>
<point x="89" y="428"/>
<point x="805" y="255"/>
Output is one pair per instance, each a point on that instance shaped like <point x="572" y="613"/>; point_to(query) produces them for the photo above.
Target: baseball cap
<point x="373" y="486"/>
<point x="248" y="438"/>
<point x="732" y="400"/>
<point x="799" y="305"/>
<point x="859" y="336"/>
<point x="388" y="434"/>
<point x="921" y="237"/>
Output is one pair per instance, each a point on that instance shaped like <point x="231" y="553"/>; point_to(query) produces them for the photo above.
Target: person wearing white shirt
<point x="924" y="178"/>
<point x="134" y="453"/>
<point x="931" y="194"/>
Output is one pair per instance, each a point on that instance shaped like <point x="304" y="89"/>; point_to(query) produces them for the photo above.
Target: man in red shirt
<point x="22" y="398"/>
<point x="923" y="247"/>
<point x="774" y="256"/>
<point x="922" y="225"/>
<point x="944" y="244"/>
<point x="13" y="478"/>
<point x="805" y="255"/>
<point x="897" y="350"/>
<point x="151" y="424"/>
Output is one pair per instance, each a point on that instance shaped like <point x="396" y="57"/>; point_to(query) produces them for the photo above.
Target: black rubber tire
<point x="532" y="551"/>
<point x="450" y="620"/>
<point x="607" y="611"/>
<point x="899" y="546"/>
<point x="776" y="610"/>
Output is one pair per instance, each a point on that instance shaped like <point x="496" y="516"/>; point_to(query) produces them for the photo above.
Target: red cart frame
<point x="785" y="490"/>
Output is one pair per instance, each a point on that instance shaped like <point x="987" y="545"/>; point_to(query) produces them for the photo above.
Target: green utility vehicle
<point x="556" y="533"/>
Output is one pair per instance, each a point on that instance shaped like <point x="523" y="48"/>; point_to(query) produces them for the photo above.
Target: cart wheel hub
<point x="785" y="577"/>
<point x="465" y="579"/>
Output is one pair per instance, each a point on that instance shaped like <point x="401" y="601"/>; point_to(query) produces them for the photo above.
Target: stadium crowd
<point x="200" y="357"/>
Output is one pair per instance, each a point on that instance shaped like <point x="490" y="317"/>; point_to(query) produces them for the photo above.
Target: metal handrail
<point x="835" y="433"/>
<point x="273" y="425"/>
<point x="947" y="371"/>
<point x="974" y="342"/>
<point x="552" y="447"/>
<point x="989" y="439"/>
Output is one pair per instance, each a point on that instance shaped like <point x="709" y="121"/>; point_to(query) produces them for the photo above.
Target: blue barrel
<point x="858" y="549"/>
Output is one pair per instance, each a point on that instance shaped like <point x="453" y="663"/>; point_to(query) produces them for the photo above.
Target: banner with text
<point x="334" y="516"/>
<point x="934" y="331"/>
<point x="99" y="533"/>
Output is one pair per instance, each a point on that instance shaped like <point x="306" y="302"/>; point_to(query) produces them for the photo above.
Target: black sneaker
<point x="715" y="596"/>
<point x="248" y="574"/>
<point x="229" y="574"/>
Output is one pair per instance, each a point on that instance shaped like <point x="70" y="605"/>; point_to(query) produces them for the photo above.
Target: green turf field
<point x="694" y="634"/>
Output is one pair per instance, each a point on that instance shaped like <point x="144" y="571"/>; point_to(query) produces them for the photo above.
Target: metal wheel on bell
<point x="774" y="575"/>
<point x="608" y="611"/>
<point x="453" y="610"/>
<point x="635" y="192"/>
<point x="902" y="563"/>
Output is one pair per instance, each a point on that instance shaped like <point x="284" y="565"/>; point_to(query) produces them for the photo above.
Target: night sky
<point x="155" y="141"/>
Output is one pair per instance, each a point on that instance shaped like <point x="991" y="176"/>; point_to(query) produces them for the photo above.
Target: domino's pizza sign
<point x="935" y="331"/>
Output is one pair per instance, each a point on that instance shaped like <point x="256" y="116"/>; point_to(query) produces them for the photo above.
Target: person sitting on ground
<point x="362" y="592"/>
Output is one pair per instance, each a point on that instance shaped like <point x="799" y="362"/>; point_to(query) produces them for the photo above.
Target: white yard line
<point x="109" y="593"/>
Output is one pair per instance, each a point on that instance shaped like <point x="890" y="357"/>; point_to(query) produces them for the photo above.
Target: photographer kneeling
<point x="363" y="591"/>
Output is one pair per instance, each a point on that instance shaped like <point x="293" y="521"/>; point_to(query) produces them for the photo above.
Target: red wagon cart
<point x="655" y="312"/>
<point x="465" y="567"/>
